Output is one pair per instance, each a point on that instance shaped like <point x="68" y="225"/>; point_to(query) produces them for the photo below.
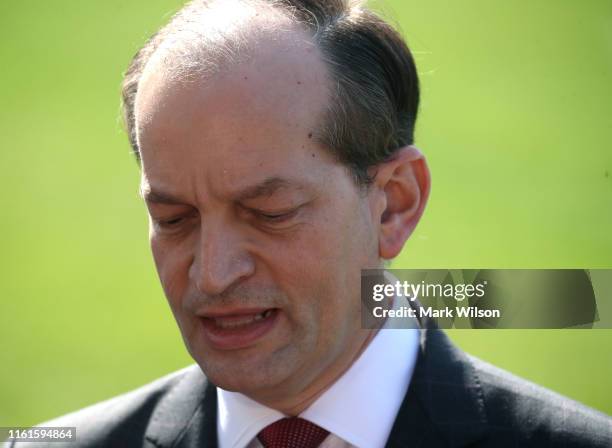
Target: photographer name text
<point x="435" y="313"/>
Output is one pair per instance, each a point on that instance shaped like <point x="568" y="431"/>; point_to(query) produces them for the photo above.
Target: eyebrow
<point x="158" y="197"/>
<point x="265" y="188"/>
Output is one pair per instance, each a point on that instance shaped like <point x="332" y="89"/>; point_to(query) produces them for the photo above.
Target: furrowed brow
<point x="158" y="197"/>
<point x="264" y="189"/>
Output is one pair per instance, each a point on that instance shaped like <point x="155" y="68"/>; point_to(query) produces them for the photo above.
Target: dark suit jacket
<point x="454" y="400"/>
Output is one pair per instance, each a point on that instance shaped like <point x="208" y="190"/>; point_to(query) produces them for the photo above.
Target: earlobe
<point x="405" y="180"/>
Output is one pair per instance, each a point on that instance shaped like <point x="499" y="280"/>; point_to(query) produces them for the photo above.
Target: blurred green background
<point x="516" y="122"/>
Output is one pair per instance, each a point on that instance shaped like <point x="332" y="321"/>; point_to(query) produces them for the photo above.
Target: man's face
<point x="258" y="234"/>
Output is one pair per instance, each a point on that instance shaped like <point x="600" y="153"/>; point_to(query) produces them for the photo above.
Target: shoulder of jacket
<point x="124" y="417"/>
<point x="513" y="404"/>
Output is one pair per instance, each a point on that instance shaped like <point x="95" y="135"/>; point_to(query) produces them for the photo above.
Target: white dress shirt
<point x="358" y="410"/>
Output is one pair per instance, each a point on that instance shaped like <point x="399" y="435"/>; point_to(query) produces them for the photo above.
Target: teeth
<point x="234" y="322"/>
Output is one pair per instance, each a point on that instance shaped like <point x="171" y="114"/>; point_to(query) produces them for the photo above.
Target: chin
<point x="245" y="386"/>
<point x="246" y="374"/>
<point x="244" y="382"/>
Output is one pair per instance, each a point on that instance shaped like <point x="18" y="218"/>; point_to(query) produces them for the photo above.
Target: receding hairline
<point x="222" y="38"/>
<point x="290" y="37"/>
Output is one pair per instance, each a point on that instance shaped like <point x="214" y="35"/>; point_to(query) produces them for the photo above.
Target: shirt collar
<point x="360" y="407"/>
<point x="239" y="419"/>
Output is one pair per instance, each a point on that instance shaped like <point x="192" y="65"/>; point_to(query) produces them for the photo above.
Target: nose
<point x="220" y="259"/>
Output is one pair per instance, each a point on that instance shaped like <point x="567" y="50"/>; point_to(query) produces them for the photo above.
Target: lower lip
<point x="237" y="337"/>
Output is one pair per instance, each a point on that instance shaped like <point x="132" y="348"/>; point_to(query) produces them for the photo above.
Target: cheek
<point x="353" y="247"/>
<point x="173" y="270"/>
<point x="321" y="270"/>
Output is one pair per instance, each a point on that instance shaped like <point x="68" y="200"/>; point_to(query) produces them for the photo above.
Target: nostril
<point x="220" y="273"/>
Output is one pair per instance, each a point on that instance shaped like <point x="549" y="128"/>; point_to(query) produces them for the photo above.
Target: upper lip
<point x="228" y="311"/>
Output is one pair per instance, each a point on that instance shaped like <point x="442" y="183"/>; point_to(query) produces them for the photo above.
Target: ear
<point x="404" y="183"/>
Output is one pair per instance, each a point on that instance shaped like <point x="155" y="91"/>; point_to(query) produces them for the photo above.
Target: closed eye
<point x="170" y="222"/>
<point x="173" y="223"/>
<point x="276" y="217"/>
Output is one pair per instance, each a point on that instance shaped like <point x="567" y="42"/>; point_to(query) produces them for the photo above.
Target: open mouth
<point x="240" y="321"/>
<point x="238" y="330"/>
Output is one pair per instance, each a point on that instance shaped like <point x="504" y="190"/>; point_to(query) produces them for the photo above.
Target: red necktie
<point x="292" y="432"/>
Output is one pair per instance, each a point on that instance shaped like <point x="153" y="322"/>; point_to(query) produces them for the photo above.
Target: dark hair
<point x="375" y="94"/>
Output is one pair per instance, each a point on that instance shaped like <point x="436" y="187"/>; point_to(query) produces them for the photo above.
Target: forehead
<point x="258" y="112"/>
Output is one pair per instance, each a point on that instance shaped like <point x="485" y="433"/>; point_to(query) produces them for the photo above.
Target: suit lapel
<point x="186" y="416"/>
<point x="443" y="405"/>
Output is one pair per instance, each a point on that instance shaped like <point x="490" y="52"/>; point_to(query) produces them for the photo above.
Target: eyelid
<point x="173" y="221"/>
<point x="275" y="216"/>
<point x="169" y="222"/>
